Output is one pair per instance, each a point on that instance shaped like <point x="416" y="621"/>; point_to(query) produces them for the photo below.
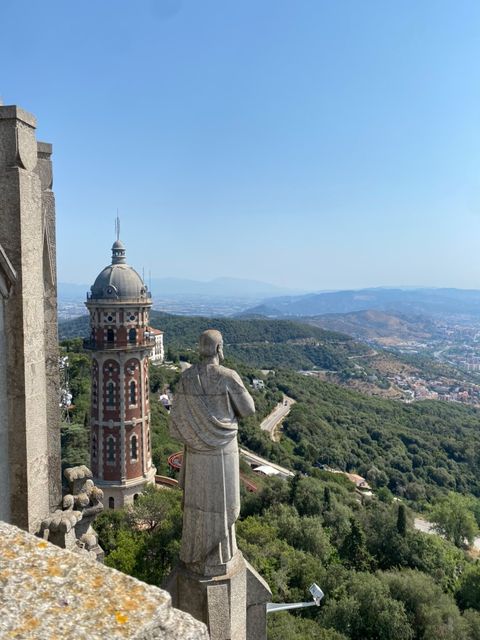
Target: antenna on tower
<point x="117" y="226"/>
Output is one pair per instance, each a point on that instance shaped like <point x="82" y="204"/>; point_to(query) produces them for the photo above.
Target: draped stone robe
<point x="207" y="401"/>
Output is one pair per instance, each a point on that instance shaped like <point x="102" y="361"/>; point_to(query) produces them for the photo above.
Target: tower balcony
<point x="94" y="345"/>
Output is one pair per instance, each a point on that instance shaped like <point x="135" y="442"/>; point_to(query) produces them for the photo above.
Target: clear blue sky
<point x="309" y="143"/>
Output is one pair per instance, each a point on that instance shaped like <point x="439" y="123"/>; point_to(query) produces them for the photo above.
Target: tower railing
<point x="94" y="345"/>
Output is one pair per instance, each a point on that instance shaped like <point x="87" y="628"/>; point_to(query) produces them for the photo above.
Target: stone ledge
<point x="47" y="593"/>
<point x="12" y="112"/>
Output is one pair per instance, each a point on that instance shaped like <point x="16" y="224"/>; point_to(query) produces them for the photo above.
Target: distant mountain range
<point x="173" y="287"/>
<point x="409" y="301"/>
<point x="377" y="326"/>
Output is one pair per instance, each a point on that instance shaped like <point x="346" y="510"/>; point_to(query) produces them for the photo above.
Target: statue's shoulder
<point x="191" y="371"/>
<point x="230" y="374"/>
<point x="187" y="377"/>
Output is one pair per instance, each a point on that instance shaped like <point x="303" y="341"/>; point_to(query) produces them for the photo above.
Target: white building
<point x="158" y="353"/>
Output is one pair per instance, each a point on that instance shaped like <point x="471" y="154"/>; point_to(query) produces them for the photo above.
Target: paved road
<point x="370" y="354"/>
<point x="252" y="458"/>
<point x="276" y="416"/>
<point x="428" y="527"/>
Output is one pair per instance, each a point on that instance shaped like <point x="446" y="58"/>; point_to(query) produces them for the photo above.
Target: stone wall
<point x="7" y="278"/>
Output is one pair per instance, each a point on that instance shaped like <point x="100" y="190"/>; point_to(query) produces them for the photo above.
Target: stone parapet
<point x="47" y="593"/>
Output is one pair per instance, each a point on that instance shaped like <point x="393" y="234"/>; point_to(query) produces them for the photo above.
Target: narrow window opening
<point x="111" y="450"/>
<point x="134" y="447"/>
<point x="111" y="394"/>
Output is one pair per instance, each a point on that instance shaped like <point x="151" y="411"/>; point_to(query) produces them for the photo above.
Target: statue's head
<point x="211" y="344"/>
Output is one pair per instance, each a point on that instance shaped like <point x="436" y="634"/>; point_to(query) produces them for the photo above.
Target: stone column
<point x="7" y="278"/>
<point x="233" y="605"/>
<point x="22" y="234"/>
<point x="44" y="171"/>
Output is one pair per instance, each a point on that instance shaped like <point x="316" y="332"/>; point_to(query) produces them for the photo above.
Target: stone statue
<point x="208" y="400"/>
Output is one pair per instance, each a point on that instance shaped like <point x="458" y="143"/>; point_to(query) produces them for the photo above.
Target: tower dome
<point x="118" y="280"/>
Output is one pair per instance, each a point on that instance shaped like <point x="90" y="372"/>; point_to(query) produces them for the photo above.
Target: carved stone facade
<point x="29" y="415"/>
<point x="121" y="344"/>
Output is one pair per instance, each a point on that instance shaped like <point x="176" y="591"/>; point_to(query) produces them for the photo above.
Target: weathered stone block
<point x="47" y="592"/>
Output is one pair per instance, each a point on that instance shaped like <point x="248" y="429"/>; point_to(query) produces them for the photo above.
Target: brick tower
<point x="120" y="451"/>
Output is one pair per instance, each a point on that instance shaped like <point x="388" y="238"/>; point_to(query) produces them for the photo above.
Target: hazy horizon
<point x="311" y="145"/>
<point x="294" y="291"/>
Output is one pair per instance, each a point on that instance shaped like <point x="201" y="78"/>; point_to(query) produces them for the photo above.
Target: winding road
<point x="253" y="459"/>
<point x="272" y="421"/>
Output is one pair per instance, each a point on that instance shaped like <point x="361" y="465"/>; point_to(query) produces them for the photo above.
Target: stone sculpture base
<point x="232" y="605"/>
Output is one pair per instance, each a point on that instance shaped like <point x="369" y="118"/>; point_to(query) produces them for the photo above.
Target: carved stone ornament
<point x="26" y="148"/>
<point x="7" y="274"/>
<point x="71" y="527"/>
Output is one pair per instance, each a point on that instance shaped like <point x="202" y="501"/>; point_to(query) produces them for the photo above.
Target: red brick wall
<point x="132" y="374"/>
<point x="111" y="471"/>
<point x="96" y="392"/>
<point x="94" y="460"/>
<point x="111" y="373"/>
<point x="134" y="468"/>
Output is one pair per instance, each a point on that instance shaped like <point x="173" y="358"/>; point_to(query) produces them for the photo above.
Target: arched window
<point x="133" y="392"/>
<point x="132" y="336"/>
<point x="111" y="450"/>
<point x="111" y="394"/>
<point x="110" y="335"/>
<point x="111" y="503"/>
<point x="134" y="447"/>
<point x="135" y="497"/>
<point x="94" y="446"/>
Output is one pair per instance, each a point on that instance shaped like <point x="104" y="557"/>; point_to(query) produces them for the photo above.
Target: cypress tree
<point x="402" y="520"/>
<point x="327" y="499"/>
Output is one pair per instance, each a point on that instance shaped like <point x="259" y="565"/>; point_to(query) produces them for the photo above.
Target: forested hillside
<point x="269" y="344"/>
<point x="383" y="580"/>
<point x="415" y="450"/>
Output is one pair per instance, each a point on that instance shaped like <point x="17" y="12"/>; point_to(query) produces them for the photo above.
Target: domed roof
<point x="119" y="280"/>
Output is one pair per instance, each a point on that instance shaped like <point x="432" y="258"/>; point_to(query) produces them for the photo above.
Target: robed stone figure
<point x="208" y="400"/>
